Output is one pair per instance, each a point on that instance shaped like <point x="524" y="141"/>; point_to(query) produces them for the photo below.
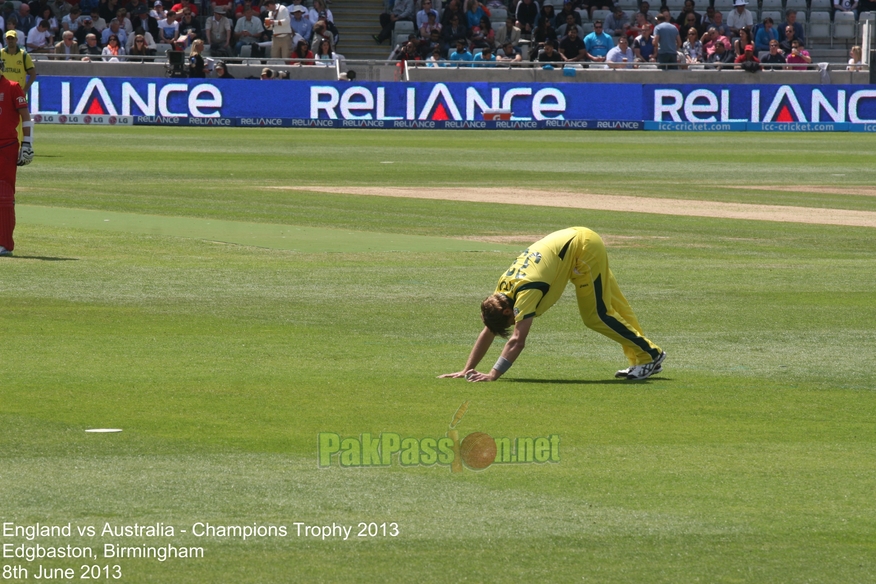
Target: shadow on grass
<point x="44" y="258"/>
<point x="585" y="381"/>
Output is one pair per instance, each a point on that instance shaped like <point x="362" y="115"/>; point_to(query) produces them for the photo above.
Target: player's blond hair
<point x="494" y="315"/>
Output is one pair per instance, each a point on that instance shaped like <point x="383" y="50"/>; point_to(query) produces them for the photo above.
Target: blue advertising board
<point x="629" y="106"/>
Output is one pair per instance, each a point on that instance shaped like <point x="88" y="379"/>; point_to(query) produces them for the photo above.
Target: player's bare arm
<point x="481" y="346"/>
<point x="512" y="350"/>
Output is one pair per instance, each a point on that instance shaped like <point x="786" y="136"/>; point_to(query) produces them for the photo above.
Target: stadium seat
<point x="586" y="28"/>
<point x="724" y="6"/>
<point x="866" y="16"/>
<point x="405" y="27"/>
<point x="585" y="17"/>
<point x="771" y="5"/>
<point x="798" y="5"/>
<point x="801" y="19"/>
<point x="844" y="26"/>
<point x="498" y="15"/>
<point x="245" y="51"/>
<point x="401" y="39"/>
<point x="162" y="48"/>
<point x="628" y="5"/>
<point x="675" y="6"/>
<point x="16" y="4"/>
<point x="819" y="25"/>
<point x="776" y="15"/>
<point x="600" y="15"/>
<point x="819" y="6"/>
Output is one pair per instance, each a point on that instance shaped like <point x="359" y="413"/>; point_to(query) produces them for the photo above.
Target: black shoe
<point x="377" y="39"/>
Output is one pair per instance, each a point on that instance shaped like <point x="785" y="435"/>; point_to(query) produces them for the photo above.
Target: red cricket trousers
<point x="8" y="167"/>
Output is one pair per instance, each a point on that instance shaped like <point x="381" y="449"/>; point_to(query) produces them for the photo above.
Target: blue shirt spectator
<point x="485" y="56"/>
<point x="598" y="42"/>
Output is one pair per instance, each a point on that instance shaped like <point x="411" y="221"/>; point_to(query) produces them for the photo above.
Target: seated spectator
<point x="140" y="45"/>
<point x="71" y="21"/>
<point x="846" y="6"/>
<point x="461" y="53"/>
<point x="544" y="34"/>
<point x="721" y="55"/>
<point x="423" y="15"/>
<point x="39" y="39"/>
<point x="485" y="58"/>
<point x="743" y="41"/>
<point x="434" y="59"/>
<point x="720" y="25"/>
<point x="301" y="25"/>
<point x="488" y="32"/>
<point x="249" y="30"/>
<point x="525" y="16"/>
<point x="85" y="28"/>
<point x="98" y="21"/>
<point x="189" y="28"/>
<point x="116" y="29"/>
<point x="570" y="24"/>
<point x="67" y="49"/>
<point x="598" y="43"/>
<point x="125" y="22"/>
<point x="90" y="48"/>
<point x="113" y="51"/>
<point x="711" y="38"/>
<point x="158" y="12"/>
<point x="321" y="33"/>
<point x="453" y="9"/>
<point x="477" y="39"/>
<point x="774" y="57"/>
<point x="510" y="33"/>
<point x="48" y="16"/>
<point x="690" y="22"/>
<point x="617" y="23"/>
<point x="454" y="31"/>
<point x="856" y="59"/>
<point x="430" y="25"/>
<point x="325" y="54"/>
<point x="683" y="19"/>
<point x="549" y="55"/>
<point x="401" y="10"/>
<point x="621" y="56"/>
<point x="562" y="17"/>
<point x="643" y="46"/>
<point x="791" y="20"/>
<point x="708" y="18"/>
<point x="168" y="29"/>
<point x="739" y="17"/>
<point x="302" y="55"/>
<point x="798" y="54"/>
<point x="509" y="52"/>
<point x="321" y="12"/>
<point x="747" y="60"/>
<point x="764" y="35"/>
<point x="635" y="29"/>
<point x="790" y="37"/>
<point x="144" y="21"/>
<point x="645" y="11"/>
<point x="693" y="47"/>
<point x="547" y="11"/>
<point x="181" y="6"/>
<point x="219" y="33"/>
<point x="573" y="48"/>
<point x="475" y="11"/>
<point x="26" y="20"/>
<point x="220" y="69"/>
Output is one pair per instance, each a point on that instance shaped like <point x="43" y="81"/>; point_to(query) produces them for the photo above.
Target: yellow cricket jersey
<point x="16" y="65"/>
<point x="537" y="278"/>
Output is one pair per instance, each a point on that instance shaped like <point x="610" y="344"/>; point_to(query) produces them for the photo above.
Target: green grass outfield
<point x="158" y="288"/>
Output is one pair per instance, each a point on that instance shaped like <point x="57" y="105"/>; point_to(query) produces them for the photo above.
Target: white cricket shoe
<point x="4" y="251"/>
<point x="639" y="372"/>
<point x="622" y="373"/>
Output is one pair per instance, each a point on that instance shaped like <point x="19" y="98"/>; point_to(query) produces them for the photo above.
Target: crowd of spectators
<point x="462" y="30"/>
<point x="116" y="30"/>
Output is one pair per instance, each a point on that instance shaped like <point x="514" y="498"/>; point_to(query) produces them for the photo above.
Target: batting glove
<point x="25" y="156"/>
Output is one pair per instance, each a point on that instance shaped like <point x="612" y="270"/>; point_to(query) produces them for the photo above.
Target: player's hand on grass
<point x="475" y="377"/>
<point x="456" y="375"/>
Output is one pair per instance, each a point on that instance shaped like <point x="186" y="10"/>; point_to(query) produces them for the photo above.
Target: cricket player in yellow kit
<point x="537" y="279"/>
